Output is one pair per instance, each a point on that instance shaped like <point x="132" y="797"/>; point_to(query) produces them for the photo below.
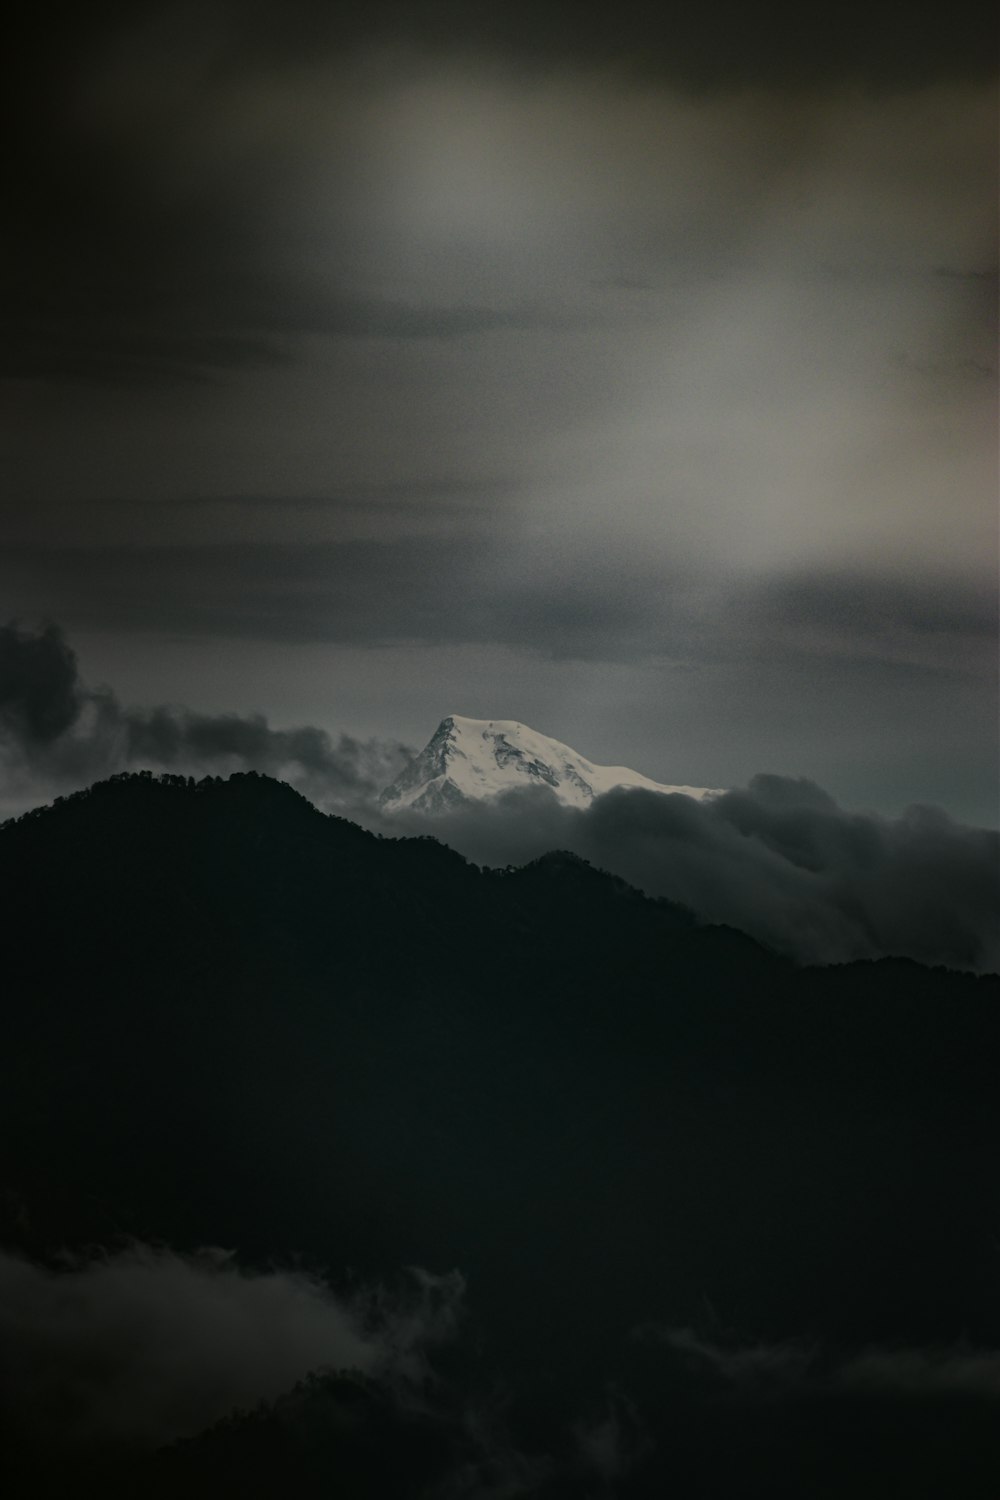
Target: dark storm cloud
<point x="876" y="42"/>
<point x="873" y="606"/>
<point x="369" y="318"/>
<point x="56" y="732"/>
<point x="777" y="859"/>
<point x="119" y="350"/>
<point x="99" y="520"/>
<point x="122" y="355"/>
<point x="453" y="590"/>
<point x="734" y="45"/>
<point x="334" y="772"/>
<point x="428" y="589"/>
<point x="168" y="329"/>
<point x="117" y="282"/>
<point x="939" y="623"/>
<point x="138" y="253"/>
<point x="39" y="691"/>
<point x="452" y="496"/>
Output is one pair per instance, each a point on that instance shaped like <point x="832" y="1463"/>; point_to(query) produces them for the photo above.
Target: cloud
<point x="146" y="1345"/>
<point x="761" y="1363"/>
<point x="947" y="1370"/>
<point x="100" y="352"/>
<point x="431" y="589"/>
<point x="146" y="1351"/>
<point x="56" y="732"/>
<point x="228" y="338"/>
<point x="161" y="151"/>
<point x="929" y="623"/>
<point x="778" y="859"/>
<point x="955" y="1371"/>
<point x="458" y="585"/>
<point x="616" y="1443"/>
<point x="39" y="692"/>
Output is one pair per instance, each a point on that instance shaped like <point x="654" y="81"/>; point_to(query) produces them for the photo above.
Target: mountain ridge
<point x="231" y="1019"/>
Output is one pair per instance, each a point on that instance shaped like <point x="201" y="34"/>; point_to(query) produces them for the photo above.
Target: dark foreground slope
<point x="229" y="1019"/>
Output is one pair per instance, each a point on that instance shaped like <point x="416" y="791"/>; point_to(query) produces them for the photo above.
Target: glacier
<point x="477" y="760"/>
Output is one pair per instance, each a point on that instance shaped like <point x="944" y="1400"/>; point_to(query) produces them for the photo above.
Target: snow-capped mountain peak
<point x="475" y="760"/>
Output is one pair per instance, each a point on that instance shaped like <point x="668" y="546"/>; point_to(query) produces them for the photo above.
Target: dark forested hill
<point x="229" y="1019"/>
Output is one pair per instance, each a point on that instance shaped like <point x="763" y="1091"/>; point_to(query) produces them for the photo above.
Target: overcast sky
<point x="631" y="376"/>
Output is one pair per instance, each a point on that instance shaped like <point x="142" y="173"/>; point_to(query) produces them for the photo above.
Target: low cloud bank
<point x="188" y="1367"/>
<point x="778" y="859"/>
<point x="147" y="1345"/>
<point x="155" y="1369"/>
<point x="958" y="1370"/>
<point x="57" y="734"/>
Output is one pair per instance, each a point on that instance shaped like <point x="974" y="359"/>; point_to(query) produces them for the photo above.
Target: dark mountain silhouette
<point x="231" y="1019"/>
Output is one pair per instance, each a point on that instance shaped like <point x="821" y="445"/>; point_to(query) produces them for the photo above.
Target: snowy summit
<point x="475" y="760"/>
